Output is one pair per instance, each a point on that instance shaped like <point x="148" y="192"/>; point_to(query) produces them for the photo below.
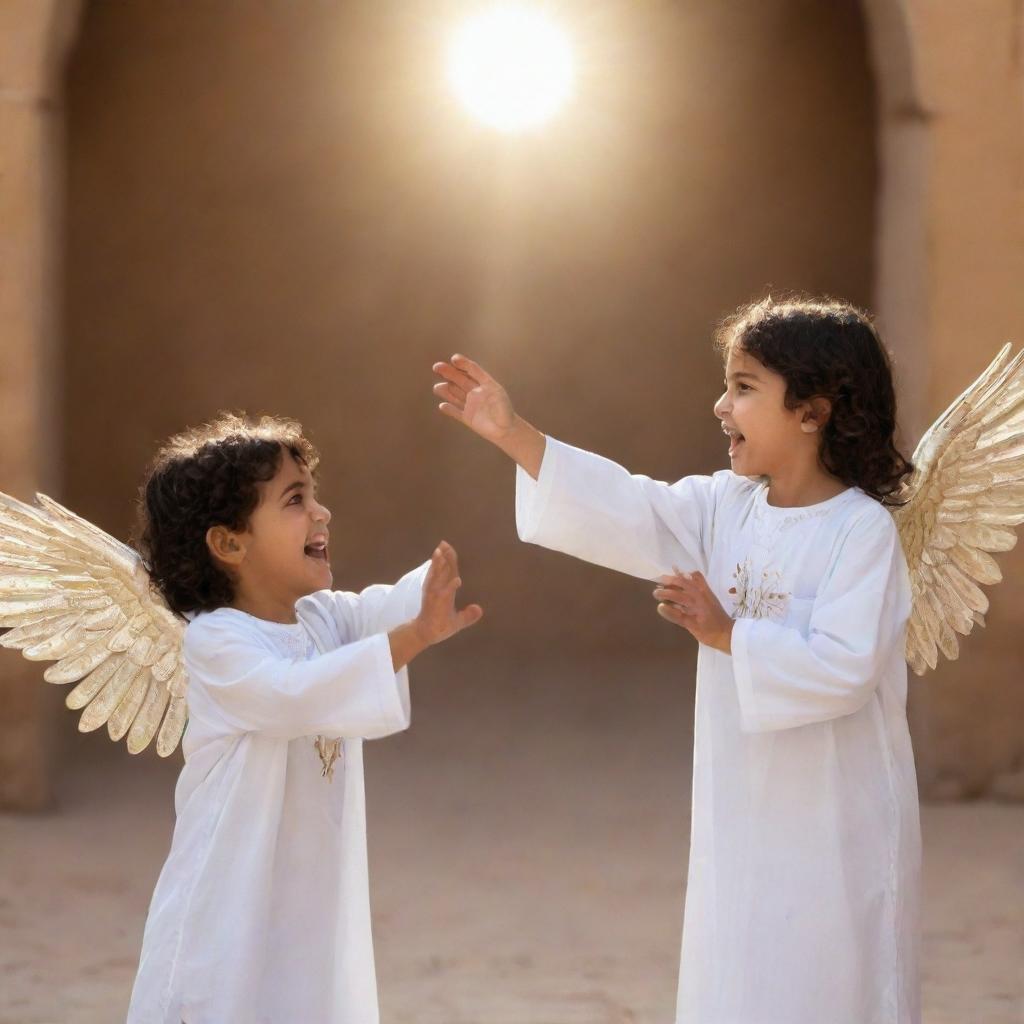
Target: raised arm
<point x="437" y="620"/>
<point x="350" y="691"/>
<point x="475" y="399"/>
<point x="357" y="689"/>
<point x="576" y="502"/>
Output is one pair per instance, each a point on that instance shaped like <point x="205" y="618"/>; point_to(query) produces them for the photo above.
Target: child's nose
<point x="325" y="513"/>
<point x="720" y="405"/>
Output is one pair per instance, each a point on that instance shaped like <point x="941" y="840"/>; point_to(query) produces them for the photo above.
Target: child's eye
<point x="296" y="497"/>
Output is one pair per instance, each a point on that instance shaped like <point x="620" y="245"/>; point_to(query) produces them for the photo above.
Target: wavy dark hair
<point x="827" y="348"/>
<point x="208" y="476"/>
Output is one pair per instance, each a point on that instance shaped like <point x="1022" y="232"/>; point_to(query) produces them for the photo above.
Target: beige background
<point x="277" y="206"/>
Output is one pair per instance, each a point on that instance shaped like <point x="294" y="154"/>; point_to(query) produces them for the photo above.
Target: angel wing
<point x="961" y="503"/>
<point x="75" y="595"/>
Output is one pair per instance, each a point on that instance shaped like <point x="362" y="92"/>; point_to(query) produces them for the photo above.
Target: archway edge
<point x="950" y="259"/>
<point x="34" y="39"/>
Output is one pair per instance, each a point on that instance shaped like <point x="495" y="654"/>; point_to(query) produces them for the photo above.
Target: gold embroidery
<point x="329" y="751"/>
<point x="764" y="600"/>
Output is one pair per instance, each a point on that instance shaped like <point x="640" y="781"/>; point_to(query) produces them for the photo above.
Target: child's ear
<point x="225" y="545"/>
<point x="816" y="415"/>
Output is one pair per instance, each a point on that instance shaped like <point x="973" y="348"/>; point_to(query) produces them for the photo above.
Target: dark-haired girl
<point x="802" y="891"/>
<point x="261" y="912"/>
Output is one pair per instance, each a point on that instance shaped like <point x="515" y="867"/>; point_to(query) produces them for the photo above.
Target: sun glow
<point x="511" y="66"/>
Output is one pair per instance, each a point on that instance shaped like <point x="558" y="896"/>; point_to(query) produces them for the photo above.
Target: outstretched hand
<point x="686" y="600"/>
<point x="438" y="618"/>
<point x="472" y="396"/>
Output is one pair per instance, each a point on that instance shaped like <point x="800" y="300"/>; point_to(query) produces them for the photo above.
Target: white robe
<point x="802" y="889"/>
<point x="261" y="913"/>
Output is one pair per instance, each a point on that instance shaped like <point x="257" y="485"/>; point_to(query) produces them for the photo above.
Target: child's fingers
<point x="453" y="411"/>
<point x="682" y="585"/>
<point x="675" y="578"/>
<point x="468" y="616"/>
<point x="438" y="571"/>
<point x="675" y="615"/>
<point x="449" y="560"/>
<point x="699" y="581"/>
<point x="672" y="594"/>
<point x="454" y="376"/>
<point x="451" y="393"/>
<point x="445" y="575"/>
<point x="693" y="584"/>
<point x="686" y="607"/>
<point x="453" y="558"/>
<point x="471" y="369"/>
<point x="430" y="580"/>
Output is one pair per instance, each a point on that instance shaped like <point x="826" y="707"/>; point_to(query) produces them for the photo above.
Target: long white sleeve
<point x="785" y="679"/>
<point x="347" y="617"/>
<point x="351" y="691"/>
<point x="378" y="608"/>
<point x="590" y="507"/>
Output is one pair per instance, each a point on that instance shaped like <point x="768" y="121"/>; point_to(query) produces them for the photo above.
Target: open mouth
<point x="318" y="552"/>
<point x="735" y="439"/>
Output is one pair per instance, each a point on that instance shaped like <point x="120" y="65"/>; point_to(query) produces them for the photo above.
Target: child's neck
<point x="266" y="606"/>
<point x="803" y="487"/>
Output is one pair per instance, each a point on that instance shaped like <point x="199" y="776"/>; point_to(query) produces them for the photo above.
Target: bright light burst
<point x="511" y="66"/>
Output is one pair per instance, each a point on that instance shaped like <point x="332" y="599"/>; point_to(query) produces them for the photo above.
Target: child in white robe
<point x="261" y="912"/>
<point x="803" y="880"/>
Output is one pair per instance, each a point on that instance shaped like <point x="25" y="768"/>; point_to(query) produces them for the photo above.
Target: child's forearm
<point x="406" y="642"/>
<point x="525" y="445"/>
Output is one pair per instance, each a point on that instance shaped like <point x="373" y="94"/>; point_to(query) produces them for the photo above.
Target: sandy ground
<point x="528" y="853"/>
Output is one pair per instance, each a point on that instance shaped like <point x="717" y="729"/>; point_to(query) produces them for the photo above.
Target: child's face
<point x="764" y="434"/>
<point x="276" y="559"/>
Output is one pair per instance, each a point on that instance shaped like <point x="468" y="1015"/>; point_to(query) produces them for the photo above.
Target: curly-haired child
<point x="261" y="912"/>
<point x="803" y="879"/>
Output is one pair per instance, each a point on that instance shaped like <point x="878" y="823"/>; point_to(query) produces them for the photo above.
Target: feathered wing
<point x="74" y="595"/>
<point x="960" y="504"/>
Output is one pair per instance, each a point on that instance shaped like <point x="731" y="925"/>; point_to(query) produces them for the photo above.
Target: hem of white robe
<point x="533" y="496"/>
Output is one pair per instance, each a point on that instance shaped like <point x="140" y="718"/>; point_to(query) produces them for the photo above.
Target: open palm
<point x="439" y="619"/>
<point x="473" y="397"/>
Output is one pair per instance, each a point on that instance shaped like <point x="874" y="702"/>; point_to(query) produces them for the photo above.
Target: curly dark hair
<point x="203" y="477"/>
<point x="828" y="348"/>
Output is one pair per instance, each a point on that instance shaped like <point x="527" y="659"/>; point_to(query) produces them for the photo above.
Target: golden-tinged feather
<point x="67" y="643"/>
<point x="959" y="506"/>
<point x="124" y="714"/>
<point x="72" y="594"/>
<point x="103" y="704"/>
<point x="20" y="637"/>
<point x="147" y="721"/>
<point x="69" y="669"/>
<point x="84" y="692"/>
<point x="173" y="726"/>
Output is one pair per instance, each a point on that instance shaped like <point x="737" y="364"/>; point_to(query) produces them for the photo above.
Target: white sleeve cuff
<point x="532" y="496"/>
<point x="392" y="692"/>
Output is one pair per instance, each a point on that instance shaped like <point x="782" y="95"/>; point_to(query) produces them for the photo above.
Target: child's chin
<point x="318" y="580"/>
<point x="741" y="468"/>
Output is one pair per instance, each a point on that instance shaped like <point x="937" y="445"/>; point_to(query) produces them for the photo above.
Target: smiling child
<point x="261" y="913"/>
<point x="804" y="865"/>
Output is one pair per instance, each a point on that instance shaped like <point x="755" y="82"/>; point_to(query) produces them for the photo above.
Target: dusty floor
<point x="528" y="853"/>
